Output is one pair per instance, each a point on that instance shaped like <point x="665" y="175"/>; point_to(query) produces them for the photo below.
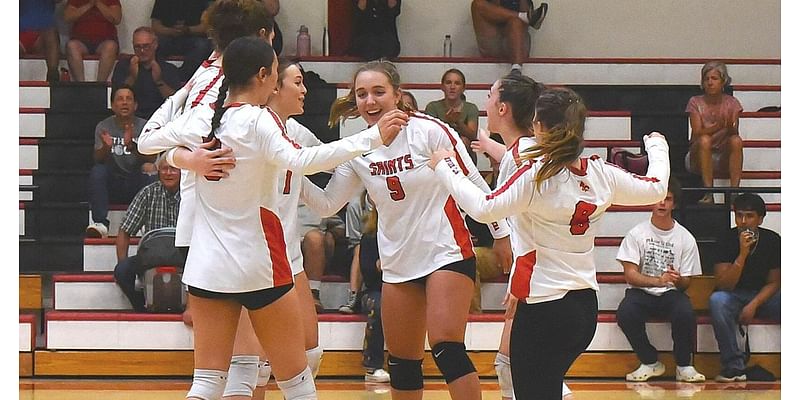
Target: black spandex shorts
<point x="251" y="300"/>
<point x="466" y="267"/>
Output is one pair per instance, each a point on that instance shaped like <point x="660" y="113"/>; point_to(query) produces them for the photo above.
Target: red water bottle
<point x="64" y="75"/>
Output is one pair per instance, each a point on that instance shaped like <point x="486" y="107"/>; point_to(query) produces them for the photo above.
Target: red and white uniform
<point x="420" y="227"/>
<point x="521" y="231"/>
<point x="289" y="189"/>
<point x="563" y="215"/>
<point x="203" y="88"/>
<point x="238" y="242"/>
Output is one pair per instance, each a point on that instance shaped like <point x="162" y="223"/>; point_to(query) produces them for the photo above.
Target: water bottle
<point x="303" y="42"/>
<point x="325" y="51"/>
<point x="448" y="47"/>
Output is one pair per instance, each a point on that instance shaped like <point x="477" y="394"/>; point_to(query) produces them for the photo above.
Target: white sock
<point x="524" y="17"/>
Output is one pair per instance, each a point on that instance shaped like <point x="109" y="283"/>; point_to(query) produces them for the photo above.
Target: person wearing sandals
<point x="659" y="257"/>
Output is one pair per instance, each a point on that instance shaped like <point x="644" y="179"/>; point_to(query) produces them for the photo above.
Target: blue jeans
<point x="109" y="184"/>
<point x="373" y="334"/>
<point x="125" y="275"/>
<point x="725" y="308"/>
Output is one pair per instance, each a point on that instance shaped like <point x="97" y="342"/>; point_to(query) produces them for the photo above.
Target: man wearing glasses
<point x="152" y="79"/>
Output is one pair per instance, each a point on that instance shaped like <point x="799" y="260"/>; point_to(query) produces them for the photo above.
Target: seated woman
<point x="715" y="148"/>
<point x="455" y="110"/>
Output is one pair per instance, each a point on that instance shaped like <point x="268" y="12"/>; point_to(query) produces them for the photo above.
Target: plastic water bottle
<point x="448" y="47"/>
<point x="303" y="42"/>
<point x="325" y="40"/>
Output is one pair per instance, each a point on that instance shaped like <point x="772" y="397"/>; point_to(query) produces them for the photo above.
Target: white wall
<point x="573" y="28"/>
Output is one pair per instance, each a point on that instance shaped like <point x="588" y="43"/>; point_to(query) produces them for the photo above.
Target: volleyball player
<point x="425" y="249"/>
<point x="560" y="197"/>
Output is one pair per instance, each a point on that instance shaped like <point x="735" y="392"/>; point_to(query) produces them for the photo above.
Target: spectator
<point x="748" y="272"/>
<point x="38" y="33"/>
<point x="117" y="174"/>
<point x="501" y="28"/>
<point x="454" y="109"/>
<point x="370" y="269"/>
<point x="181" y="32"/>
<point x="154" y="207"/>
<point x="94" y="31"/>
<point x="410" y="100"/>
<point x="715" y="147"/>
<point x="152" y="79"/>
<point x="375" y="29"/>
<point x="659" y="257"/>
<point x="273" y="8"/>
<point x="330" y="249"/>
<point x="357" y="210"/>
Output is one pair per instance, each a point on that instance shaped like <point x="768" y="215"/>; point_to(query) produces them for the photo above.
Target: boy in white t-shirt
<point x="659" y="257"/>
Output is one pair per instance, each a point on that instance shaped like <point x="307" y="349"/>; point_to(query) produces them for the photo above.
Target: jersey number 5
<point x="580" y="218"/>
<point x="396" y="191"/>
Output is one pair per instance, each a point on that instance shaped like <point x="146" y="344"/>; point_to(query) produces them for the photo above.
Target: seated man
<point x="181" y="32"/>
<point x="155" y="206"/>
<point x="659" y="257"/>
<point x="38" y="33"/>
<point x="501" y="28"/>
<point x="94" y="31"/>
<point x="117" y="173"/>
<point x="748" y="272"/>
<point x="152" y="79"/>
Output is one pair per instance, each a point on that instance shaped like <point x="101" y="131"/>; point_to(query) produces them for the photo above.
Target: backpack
<point x="631" y="162"/>
<point x="162" y="266"/>
<point x="157" y="247"/>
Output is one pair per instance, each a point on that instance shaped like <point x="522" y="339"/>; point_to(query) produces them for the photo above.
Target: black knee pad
<point x="452" y="360"/>
<point x="405" y="374"/>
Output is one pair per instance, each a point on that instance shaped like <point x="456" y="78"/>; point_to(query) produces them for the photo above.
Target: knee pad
<point x="502" y="365"/>
<point x="301" y="387"/>
<point x="208" y="384"/>
<point x="314" y="357"/>
<point x="405" y="374"/>
<point x="264" y="371"/>
<point x="452" y="360"/>
<point x="242" y="376"/>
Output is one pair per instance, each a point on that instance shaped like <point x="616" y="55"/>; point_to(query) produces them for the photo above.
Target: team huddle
<point x="244" y="160"/>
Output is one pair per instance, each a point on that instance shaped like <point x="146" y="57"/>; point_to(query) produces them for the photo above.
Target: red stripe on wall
<point x="273" y="232"/>
<point x="460" y="232"/>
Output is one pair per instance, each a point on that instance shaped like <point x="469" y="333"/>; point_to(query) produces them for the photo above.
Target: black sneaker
<point x="731" y="375"/>
<point x="351" y="307"/>
<point x="536" y="17"/>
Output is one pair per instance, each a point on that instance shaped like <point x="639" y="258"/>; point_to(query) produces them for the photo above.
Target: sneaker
<point x="731" y="375"/>
<point x="645" y="372"/>
<point x="688" y="374"/>
<point x="97" y="230"/>
<point x="351" y="307"/>
<point x="708" y="199"/>
<point x="317" y="302"/>
<point x="377" y="376"/>
<point x="536" y="17"/>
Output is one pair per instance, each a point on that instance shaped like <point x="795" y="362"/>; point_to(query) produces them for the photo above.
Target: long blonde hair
<point x="562" y="112"/>
<point x="345" y="107"/>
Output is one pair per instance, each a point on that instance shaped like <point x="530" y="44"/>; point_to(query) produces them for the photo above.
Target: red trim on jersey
<point x="449" y="136"/>
<point x="582" y="170"/>
<point x="205" y="90"/>
<point x="283" y="129"/>
<point x="273" y="233"/>
<point x="460" y="232"/>
<point x="515" y="152"/>
<point x="521" y="278"/>
<point x="510" y="181"/>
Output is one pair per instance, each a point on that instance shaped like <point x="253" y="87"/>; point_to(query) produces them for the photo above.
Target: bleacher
<point x="90" y="329"/>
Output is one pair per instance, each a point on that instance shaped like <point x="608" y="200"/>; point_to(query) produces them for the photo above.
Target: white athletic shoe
<point x="377" y="376"/>
<point x="645" y="372"/>
<point x="97" y="230"/>
<point x="688" y="374"/>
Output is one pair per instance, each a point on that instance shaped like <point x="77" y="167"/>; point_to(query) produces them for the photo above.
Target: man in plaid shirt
<point x="155" y="206"/>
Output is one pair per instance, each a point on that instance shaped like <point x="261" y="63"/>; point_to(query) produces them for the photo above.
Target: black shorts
<point x="251" y="300"/>
<point x="466" y="267"/>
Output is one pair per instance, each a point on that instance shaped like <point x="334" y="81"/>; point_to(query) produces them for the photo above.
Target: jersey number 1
<point x="287" y="186"/>
<point x="396" y="191"/>
<point x="580" y="218"/>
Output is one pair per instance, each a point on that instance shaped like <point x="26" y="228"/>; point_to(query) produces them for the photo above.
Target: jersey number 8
<point x="579" y="223"/>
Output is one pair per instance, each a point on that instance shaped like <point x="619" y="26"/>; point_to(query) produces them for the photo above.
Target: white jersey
<point x="653" y="250"/>
<point x="238" y="242"/>
<point x="289" y="189"/>
<point x="563" y="214"/>
<point x="202" y="89"/>
<point x="521" y="225"/>
<point x="420" y="227"/>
